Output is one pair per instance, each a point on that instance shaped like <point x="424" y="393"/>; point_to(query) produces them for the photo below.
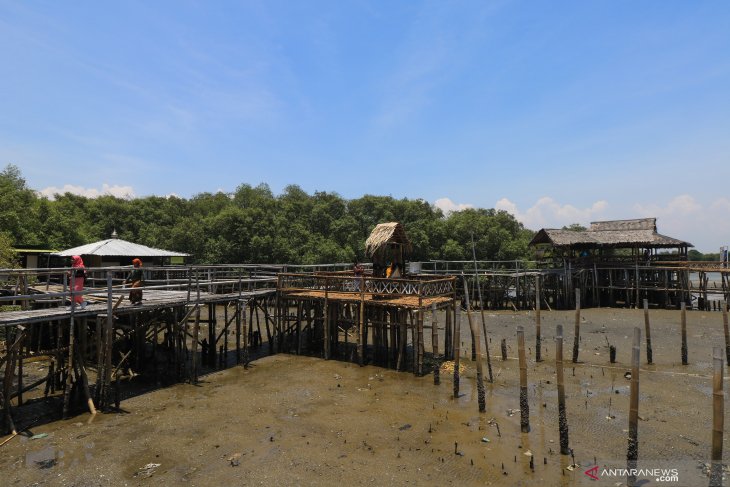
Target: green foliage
<point x="8" y="257"/>
<point x="254" y="225"/>
<point x="696" y="255"/>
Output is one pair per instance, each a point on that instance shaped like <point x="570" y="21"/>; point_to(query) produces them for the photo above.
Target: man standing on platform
<point x="136" y="277"/>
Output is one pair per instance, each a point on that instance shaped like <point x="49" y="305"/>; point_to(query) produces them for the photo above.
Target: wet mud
<point x="294" y="420"/>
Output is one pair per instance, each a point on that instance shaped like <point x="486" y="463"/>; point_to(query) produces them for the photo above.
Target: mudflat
<point x="296" y="420"/>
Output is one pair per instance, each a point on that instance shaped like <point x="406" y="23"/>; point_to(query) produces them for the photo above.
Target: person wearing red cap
<point x="136" y="277"/>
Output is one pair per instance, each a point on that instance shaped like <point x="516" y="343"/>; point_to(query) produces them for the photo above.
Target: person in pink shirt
<point x="76" y="279"/>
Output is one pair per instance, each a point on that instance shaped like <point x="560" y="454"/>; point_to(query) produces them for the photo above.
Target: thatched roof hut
<point x="388" y="244"/>
<point x="617" y="234"/>
<point x="603" y="239"/>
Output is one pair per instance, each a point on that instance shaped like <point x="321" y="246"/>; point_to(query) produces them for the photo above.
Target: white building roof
<point x="115" y="247"/>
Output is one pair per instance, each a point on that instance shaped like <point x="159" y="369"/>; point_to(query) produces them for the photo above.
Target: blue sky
<point x="559" y="112"/>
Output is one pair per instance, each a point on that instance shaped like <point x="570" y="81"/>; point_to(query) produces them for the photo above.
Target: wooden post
<point x="632" y="454"/>
<point x="196" y="336"/>
<point x="240" y="310"/>
<point x="244" y="329"/>
<point x="481" y="395"/>
<point x="361" y="324"/>
<point x="435" y="346"/>
<point x="504" y="349"/>
<point x="718" y="419"/>
<point x="457" y="343"/>
<point x="448" y="341"/>
<point x="576" y="338"/>
<point x="647" y="330"/>
<point x="326" y="322"/>
<point x="727" y="335"/>
<point x="524" y="404"/>
<point x="684" y="333"/>
<point x="562" y="417"/>
<point x="538" y="335"/>
<point x="69" y="365"/>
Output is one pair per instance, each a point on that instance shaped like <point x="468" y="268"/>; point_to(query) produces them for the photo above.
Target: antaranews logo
<point x="658" y="474"/>
<point x="591" y="472"/>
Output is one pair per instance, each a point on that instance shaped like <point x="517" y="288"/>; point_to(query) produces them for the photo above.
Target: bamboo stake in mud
<point x="435" y="345"/>
<point x="538" y="335"/>
<point x="457" y="345"/>
<point x="727" y="334"/>
<point x="632" y="453"/>
<point x="576" y="338"/>
<point x="562" y="418"/>
<point x="718" y="419"/>
<point x="504" y="349"/>
<point x="647" y="330"/>
<point x="684" y="333"/>
<point x="71" y="340"/>
<point x="475" y="336"/>
<point x="481" y="310"/>
<point x="524" y="405"/>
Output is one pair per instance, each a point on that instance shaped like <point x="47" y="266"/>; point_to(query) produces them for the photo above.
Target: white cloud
<point x="683" y="205"/>
<point x="705" y="225"/>
<point x="549" y="213"/>
<point x="448" y="206"/>
<point x="106" y="189"/>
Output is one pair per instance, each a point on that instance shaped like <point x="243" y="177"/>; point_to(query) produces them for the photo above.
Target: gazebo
<point x="117" y="252"/>
<point x="388" y="245"/>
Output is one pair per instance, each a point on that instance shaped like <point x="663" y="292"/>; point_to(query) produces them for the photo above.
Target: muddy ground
<point x="289" y="420"/>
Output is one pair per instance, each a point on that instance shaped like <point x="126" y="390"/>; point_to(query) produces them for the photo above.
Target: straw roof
<point x="616" y="233"/>
<point x="385" y="234"/>
<point x="115" y="247"/>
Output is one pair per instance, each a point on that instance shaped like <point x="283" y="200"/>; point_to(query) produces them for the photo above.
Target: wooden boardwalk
<point x="152" y="300"/>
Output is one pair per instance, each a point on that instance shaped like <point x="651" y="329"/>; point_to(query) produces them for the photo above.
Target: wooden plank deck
<point x="404" y="301"/>
<point x="152" y="299"/>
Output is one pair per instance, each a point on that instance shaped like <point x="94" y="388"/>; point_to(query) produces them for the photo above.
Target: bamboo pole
<point x="361" y="324"/>
<point x="727" y="335"/>
<point x="435" y="346"/>
<point x="684" y="333"/>
<point x="196" y="337"/>
<point x="647" y="329"/>
<point x="71" y="340"/>
<point x="576" y="338"/>
<point x="457" y="343"/>
<point x="481" y="396"/>
<point x="244" y="325"/>
<point x="538" y="335"/>
<point x="632" y="453"/>
<point x="562" y="417"/>
<point x="718" y="418"/>
<point x="524" y="404"/>
<point x="326" y="321"/>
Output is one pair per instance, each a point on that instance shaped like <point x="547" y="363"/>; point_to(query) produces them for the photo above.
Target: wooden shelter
<point x="610" y="241"/>
<point x="388" y="245"/>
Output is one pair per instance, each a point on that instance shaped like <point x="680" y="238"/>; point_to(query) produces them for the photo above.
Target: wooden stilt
<point x="647" y="330"/>
<point x="684" y="333"/>
<point x="562" y="416"/>
<point x="524" y="404"/>
<point x="435" y="346"/>
<point x="718" y="418"/>
<point x="576" y="338"/>
<point x="457" y="346"/>
<point x="538" y="335"/>
<point x="727" y="335"/>
<point x="632" y="454"/>
<point x="481" y="396"/>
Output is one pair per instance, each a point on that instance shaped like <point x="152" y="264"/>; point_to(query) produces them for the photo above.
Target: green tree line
<point x="252" y="225"/>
